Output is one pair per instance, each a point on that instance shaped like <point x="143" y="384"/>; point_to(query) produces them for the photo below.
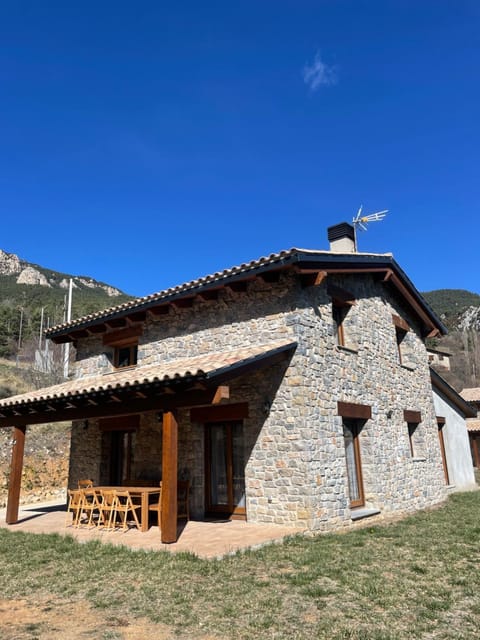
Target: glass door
<point x="225" y="468"/>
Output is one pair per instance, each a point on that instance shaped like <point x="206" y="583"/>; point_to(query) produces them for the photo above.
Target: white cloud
<point x="319" y="74"/>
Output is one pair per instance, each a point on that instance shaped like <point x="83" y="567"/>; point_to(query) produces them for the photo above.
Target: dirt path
<point x="59" y="620"/>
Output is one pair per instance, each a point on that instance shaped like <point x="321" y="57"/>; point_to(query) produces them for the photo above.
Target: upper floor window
<point x="125" y="356"/>
<point x="125" y="345"/>
<point x="342" y="301"/>
<point x="401" y="330"/>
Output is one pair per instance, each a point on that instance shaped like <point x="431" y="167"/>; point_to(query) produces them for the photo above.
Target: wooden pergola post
<point x="169" y="478"/>
<point x="15" y="475"/>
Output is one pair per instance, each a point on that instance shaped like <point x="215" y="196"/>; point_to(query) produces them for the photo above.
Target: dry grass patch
<point x="417" y="578"/>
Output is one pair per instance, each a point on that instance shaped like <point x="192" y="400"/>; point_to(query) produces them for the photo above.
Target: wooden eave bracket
<point x="123" y="336"/>
<point x="400" y="323"/>
<point x="222" y="393"/>
<point x="208" y="294"/>
<point x="183" y="303"/>
<point x="309" y="278"/>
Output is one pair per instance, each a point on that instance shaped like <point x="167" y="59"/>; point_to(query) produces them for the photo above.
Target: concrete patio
<point x="206" y="539"/>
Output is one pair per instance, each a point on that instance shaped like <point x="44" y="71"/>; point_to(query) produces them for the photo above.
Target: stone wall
<point x="295" y="454"/>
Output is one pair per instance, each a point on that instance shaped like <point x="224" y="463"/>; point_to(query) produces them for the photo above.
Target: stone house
<point x="293" y="389"/>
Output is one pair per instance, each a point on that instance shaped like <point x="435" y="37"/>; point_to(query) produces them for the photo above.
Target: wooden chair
<point x="106" y="505"/>
<point x="183" y="499"/>
<point x="123" y="506"/>
<point x="157" y="507"/>
<point x="74" y="507"/>
<point x="85" y="484"/>
<point x="91" y="506"/>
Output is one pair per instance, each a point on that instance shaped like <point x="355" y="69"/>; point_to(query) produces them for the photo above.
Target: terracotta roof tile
<point x="473" y="424"/>
<point x="471" y="394"/>
<point x="199" y="282"/>
<point x="201" y="365"/>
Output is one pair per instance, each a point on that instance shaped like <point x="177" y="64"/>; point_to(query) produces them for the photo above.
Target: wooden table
<point x="143" y="493"/>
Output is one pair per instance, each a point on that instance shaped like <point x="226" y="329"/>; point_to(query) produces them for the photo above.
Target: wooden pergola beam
<point x="15" y="481"/>
<point x="169" y="478"/>
<point x="125" y="403"/>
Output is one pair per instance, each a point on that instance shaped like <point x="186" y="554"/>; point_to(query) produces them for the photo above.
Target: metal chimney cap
<point x="341" y="230"/>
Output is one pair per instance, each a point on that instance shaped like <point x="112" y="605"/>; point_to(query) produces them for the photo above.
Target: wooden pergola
<point x="130" y="393"/>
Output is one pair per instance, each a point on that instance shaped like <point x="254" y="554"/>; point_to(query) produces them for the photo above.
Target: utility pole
<point x="66" y="353"/>
<point x="20" y="335"/>
<point x="41" y="330"/>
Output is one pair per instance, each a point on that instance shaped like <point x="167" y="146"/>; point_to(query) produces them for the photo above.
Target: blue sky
<point x="146" y="144"/>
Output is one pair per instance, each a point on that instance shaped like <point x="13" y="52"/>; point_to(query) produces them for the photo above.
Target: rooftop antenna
<point x="361" y="221"/>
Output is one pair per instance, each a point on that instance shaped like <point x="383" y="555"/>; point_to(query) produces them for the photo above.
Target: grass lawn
<point x="418" y="578"/>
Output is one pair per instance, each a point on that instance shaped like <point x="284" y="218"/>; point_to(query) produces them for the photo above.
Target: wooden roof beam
<point x="138" y="316"/>
<point x="183" y="303"/>
<point x="116" y="323"/>
<point x="96" y="329"/>
<point x="222" y="393"/>
<point x="269" y="276"/>
<point x="209" y="294"/>
<point x="311" y="277"/>
<point x="161" y="310"/>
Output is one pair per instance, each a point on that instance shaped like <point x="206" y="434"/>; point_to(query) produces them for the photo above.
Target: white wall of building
<point x="457" y="447"/>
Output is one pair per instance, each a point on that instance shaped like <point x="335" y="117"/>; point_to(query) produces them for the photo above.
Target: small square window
<point x="126" y="356"/>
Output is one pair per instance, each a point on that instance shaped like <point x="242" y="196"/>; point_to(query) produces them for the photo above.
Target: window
<point x="338" y="314"/>
<point x="413" y="420"/>
<point x="412" y="427"/>
<point x="342" y="301"/>
<point x="351" y="432"/>
<point x="125" y="356"/>
<point x="354" y="417"/>
<point x="401" y="330"/>
<point x="125" y="345"/>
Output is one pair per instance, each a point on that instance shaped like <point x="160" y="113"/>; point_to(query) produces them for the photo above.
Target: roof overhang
<point x="312" y="266"/>
<point x="443" y="388"/>
<point x="165" y="386"/>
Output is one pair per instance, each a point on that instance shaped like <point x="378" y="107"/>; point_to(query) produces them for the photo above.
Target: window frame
<point x="342" y="301"/>
<point x="413" y="420"/>
<point x="132" y="356"/>
<point x="401" y="330"/>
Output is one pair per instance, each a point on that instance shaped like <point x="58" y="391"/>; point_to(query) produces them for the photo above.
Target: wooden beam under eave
<point x="138" y="316"/>
<point x="97" y="328"/>
<point x="161" y="310"/>
<point x="116" y="323"/>
<point x="269" y="277"/>
<point x="209" y="294"/>
<point x="239" y="287"/>
<point x="312" y="279"/>
<point x="169" y="478"/>
<point x="15" y="480"/>
<point x="222" y="393"/>
<point x="182" y="303"/>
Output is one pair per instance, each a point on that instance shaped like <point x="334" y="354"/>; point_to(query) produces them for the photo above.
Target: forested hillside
<point x="33" y="297"/>
<point x="460" y="312"/>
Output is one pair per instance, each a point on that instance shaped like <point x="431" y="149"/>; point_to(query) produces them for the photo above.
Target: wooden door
<point x="225" y="468"/>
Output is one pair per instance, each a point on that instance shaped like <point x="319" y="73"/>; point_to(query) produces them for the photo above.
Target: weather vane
<point x="361" y="221"/>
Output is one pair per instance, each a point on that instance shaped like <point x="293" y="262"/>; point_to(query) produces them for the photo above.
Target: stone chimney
<point x="342" y="238"/>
